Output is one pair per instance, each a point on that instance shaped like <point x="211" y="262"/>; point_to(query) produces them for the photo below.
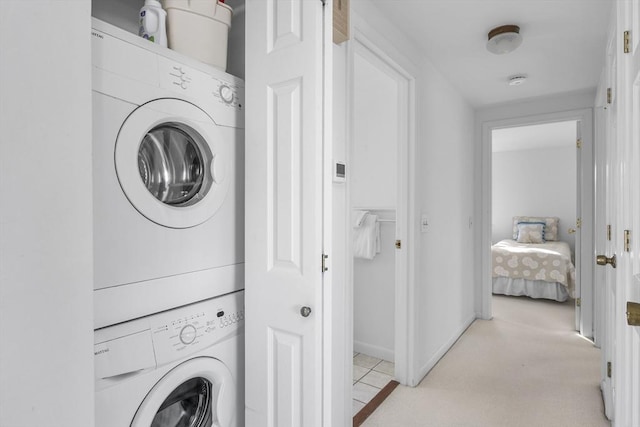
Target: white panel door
<point x="629" y="281"/>
<point x="578" y="236"/>
<point x="611" y="231"/>
<point x="604" y="275"/>
<point x="285" y="69"/>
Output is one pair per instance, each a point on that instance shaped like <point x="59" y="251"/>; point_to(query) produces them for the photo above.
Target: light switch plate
<point x="424" y="223"/>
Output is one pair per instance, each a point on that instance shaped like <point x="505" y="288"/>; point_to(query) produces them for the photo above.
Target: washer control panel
<point x="180" y="332"/>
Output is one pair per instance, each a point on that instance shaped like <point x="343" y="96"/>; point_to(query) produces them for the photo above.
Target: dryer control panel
<point x="223" y="93"/>
<point x="183" y="331"/>
<point x="130" y="68"/>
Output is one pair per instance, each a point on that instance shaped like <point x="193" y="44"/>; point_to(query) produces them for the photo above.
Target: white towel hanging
<point x="366" y="238"/>
<point x="358" y="217"/>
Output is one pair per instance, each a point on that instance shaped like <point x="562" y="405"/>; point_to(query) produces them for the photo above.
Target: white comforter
<point x="550" y="262"/>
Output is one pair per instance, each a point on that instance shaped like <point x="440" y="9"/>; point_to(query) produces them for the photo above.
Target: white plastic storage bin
<point x="200" y="29"/>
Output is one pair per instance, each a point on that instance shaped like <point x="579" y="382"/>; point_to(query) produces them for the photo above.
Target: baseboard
<point x="374" y="351"/>
<point x="424" y="370"/>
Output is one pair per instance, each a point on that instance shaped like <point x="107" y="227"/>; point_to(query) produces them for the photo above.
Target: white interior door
<point x="609" y="198"/>
<point x="584" y="241"/>
<point x="602" y="277"/>
<point x="634" y="117"/>
<point x="608" y="347"/>
<point x="629" y="277"/>
<point x="578" y="236"/>
<point x="285" y="71"/>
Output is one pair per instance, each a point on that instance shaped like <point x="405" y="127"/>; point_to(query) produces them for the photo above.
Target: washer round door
<point x="197" y="393"/>
<point x="172" y="163"/>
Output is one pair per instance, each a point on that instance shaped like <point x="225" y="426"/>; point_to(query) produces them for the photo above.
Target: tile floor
<point x="370" y="374"/>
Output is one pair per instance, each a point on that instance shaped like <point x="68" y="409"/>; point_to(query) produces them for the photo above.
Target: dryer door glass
<point x="189" y="405"/>
<point x="172" y="161"/>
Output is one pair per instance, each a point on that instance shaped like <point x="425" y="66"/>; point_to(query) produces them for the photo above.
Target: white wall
<point x="373" y="171"/>
<point x="445" y="263"/>
<point x="441" y="276"/>
<point x="46" y="307"/>
<point x="374" y="299"/>
<point x="539" y="182"/>
<point x="235" y="49"/>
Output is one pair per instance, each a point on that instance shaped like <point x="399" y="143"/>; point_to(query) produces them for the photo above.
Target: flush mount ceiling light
<point x="504" y="39"/>
<point x="517" y="80"/>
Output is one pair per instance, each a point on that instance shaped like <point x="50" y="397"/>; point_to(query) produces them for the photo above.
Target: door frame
<point x="585" y="117"/>
<point x="404" y="311"/>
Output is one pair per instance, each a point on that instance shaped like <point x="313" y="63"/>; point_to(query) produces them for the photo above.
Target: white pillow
<point x="531" y="232"/>
<point x="551" y="229"/>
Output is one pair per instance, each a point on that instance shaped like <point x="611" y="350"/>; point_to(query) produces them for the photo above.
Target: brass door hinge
<point x="579" y="143"/>
<point x="609" y="232"/>
<point x="609" y="96"/>
<point x="609" y="369"/>
<point x="398" y="244"/>
<point x="324" y="266"/>
<point x="627" y="41"/>
<point x="627" y="241"/>
<point x="579" y="222"/>
<point x="578" y="302"/>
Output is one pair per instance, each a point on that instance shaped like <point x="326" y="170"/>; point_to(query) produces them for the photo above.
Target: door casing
<point x="585" y="117"/>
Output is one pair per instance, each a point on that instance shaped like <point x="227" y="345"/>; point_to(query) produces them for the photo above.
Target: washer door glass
<point x="172" y="163"/>
<point x="189" y="405"/>
<point x="199" y="392"/>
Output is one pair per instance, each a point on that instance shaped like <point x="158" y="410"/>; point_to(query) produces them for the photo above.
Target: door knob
<point x="571" y="231"/>
<point x="305" y="311"/>
<point x="603" y="260"/>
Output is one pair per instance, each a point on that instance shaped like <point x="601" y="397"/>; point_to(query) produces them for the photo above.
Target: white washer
<point x="179" y="367"/>
<point x="168" y="178"/>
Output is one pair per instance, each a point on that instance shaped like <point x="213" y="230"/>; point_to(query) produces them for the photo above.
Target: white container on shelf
<point x="152" y="21"/>
<point x="200" y="29"/>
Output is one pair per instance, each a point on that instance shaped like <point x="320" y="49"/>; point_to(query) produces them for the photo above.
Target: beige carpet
<point x="525" y="368"/>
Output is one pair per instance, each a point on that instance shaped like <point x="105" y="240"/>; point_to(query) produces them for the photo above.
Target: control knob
<point x="226" y="94"/>
<point x="188" y="334"/>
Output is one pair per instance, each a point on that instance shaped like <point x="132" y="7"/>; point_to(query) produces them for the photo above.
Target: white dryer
<point x="168" y="150"/>
<point x="182" y="367"/>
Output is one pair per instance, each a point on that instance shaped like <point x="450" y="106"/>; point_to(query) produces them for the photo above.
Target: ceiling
<point x="562" y="50"/>
<point x="547" y="135"/>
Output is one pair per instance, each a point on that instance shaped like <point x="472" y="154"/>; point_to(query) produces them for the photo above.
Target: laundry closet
<point x="168" y="214"/>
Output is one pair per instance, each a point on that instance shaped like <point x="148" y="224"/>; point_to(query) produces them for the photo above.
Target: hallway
<point x="527" y="367"/>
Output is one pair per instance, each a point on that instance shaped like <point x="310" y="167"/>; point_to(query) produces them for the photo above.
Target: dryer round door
<point x="197" y="393"/>
<point x="172" y="163"/>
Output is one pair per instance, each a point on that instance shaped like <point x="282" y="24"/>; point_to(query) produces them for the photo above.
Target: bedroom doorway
<point x="578" y="124"/>
<point x="534" y="178"/>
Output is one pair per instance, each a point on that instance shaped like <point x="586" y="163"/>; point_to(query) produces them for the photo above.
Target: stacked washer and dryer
<point x="168" y="149"/>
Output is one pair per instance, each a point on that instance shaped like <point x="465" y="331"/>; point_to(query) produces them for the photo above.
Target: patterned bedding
<point x="549" y="262"/>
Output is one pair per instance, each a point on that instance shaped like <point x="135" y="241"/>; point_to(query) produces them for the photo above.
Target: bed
<point x="534" y="263"/>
